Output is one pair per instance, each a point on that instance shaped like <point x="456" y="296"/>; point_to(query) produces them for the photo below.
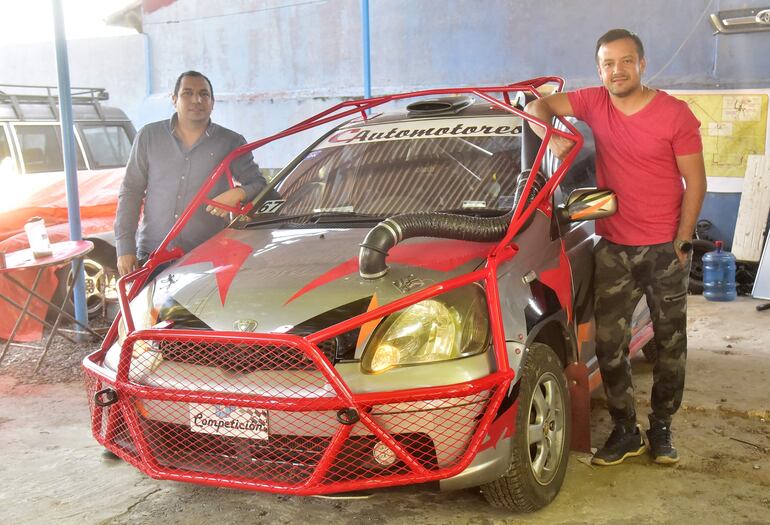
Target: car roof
<point x="43" y="113"/>
<point x="475" y="109"/>
<point x="20" y="103"/>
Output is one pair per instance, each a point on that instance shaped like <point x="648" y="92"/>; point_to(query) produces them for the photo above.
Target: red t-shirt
<point x="636" y="158"/>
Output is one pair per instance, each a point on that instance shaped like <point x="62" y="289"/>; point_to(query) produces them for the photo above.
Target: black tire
<point x="529" y="486"/>
<point x="650" y="351"/>
<point x="699" y="248"/>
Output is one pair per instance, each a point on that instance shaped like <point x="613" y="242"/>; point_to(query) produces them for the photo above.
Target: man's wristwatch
<point x="683" y="245"/>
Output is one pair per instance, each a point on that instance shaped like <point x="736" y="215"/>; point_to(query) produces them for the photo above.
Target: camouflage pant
<point x="621" y="275"/>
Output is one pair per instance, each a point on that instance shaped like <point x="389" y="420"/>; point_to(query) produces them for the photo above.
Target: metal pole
<point x="68" y="150"/>
<point x="365" y="36"/>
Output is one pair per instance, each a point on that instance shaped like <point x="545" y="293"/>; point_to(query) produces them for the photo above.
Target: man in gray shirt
<point x="170" y="161"/>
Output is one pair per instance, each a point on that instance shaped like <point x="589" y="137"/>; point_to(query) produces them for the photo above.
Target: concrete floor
<point x="53" y="472"/>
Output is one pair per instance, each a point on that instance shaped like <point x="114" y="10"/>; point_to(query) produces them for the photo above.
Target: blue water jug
<point x="719" y="275"/>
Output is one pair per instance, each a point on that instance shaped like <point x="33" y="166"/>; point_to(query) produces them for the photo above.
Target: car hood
<point x="271" y="280"/>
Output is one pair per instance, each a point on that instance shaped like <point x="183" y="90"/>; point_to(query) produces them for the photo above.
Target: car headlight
<point x="146" y="356"/>
<point x="143" y="312"/>
<point x="180" y="317"/>
<point x="453" y="325"/>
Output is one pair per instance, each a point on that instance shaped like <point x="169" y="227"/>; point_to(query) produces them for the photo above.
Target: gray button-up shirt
<point x="166" y="176"/>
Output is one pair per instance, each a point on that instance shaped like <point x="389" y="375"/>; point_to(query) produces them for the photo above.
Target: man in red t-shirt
<point x="647" y="143"/>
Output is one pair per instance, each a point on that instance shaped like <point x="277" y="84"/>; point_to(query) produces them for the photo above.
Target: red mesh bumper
<point x="270" y="413"/>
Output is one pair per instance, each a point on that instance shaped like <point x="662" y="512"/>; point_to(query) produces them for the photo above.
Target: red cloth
<point x="45" y="196"/>
<point x="30" y="330"/>
<point x="636" y="158"/>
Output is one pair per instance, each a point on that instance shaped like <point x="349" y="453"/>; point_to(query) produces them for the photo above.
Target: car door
<point x="579" y="240"/>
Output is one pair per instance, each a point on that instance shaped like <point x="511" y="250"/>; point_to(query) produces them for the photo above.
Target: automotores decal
<point x="424" y="129"/>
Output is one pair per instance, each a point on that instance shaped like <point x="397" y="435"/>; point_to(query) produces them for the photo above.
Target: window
<point x="7" y="165"/>
<point x="582" y="173"/>
<point x="41" y="148"/>
<point x="400" y="176"/>
<point x="107" y="145"/>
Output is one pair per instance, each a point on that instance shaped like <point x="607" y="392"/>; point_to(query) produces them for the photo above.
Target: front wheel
<point x="542" y="437"/>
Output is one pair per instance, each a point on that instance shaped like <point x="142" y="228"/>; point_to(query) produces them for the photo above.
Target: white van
<point x="31" y="158"/>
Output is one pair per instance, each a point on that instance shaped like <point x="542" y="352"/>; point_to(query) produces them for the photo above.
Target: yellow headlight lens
<point x="429" y="331"/>
<point x="146" y="358"/>
<point x="385" y="357"/>
<point x="142" y="312"/>
<point x="145" y="355"/>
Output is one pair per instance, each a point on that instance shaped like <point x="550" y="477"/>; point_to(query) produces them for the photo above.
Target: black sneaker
<point x="621" y="444"/>
<point x="661" y="449"/>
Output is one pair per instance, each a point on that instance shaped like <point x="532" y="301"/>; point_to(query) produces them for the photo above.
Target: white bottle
<point x="38" y="237"/>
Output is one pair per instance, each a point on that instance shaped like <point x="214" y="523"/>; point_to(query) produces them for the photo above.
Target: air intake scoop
<point x="438" y="106"/>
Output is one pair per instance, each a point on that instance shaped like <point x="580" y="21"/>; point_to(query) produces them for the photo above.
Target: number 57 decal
<point x="270" y="206"/>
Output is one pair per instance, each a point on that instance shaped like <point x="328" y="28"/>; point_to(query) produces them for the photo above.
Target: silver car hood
<point x="271" y="280"/>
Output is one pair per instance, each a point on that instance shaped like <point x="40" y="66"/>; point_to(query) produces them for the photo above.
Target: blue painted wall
<point x="274" y="62"/>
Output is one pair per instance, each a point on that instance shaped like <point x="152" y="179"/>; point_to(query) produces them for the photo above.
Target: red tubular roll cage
<point x="498" y="381"/>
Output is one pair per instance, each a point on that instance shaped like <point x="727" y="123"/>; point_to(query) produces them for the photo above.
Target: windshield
<point x="449" y="164"/>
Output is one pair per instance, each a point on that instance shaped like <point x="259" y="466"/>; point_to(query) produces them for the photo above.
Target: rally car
<point x="407" y="302"/>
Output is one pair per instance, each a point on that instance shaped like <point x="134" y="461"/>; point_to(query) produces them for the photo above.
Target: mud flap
<point x="580" y="396"/>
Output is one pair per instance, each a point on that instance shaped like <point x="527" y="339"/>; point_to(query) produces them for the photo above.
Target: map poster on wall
<point x="734" y="125"/>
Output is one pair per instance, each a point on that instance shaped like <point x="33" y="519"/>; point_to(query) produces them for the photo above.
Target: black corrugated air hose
<point x="391" y="231"/>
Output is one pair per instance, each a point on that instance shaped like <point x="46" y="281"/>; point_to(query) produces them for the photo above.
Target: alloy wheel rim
<point x="546" y="428"/>
<point x="95" y="282"/>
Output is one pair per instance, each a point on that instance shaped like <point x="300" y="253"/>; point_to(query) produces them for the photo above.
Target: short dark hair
<point x="619" y="34"/>
<point x="192" y="73"/>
